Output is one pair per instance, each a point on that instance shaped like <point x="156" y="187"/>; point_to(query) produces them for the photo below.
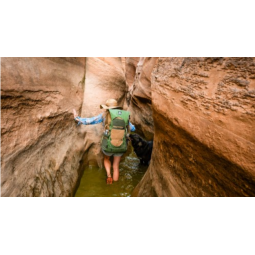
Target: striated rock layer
<point x="204" y="117"/>
<point x="40" y="147"/>
<point x="201" y="112"/>
<point x="138" y="79"/>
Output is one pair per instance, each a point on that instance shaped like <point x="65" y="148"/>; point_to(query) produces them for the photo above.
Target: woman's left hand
<point x="75" y="115"/>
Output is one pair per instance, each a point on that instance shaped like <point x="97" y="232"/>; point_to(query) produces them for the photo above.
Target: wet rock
<point x="128" y="176"/>
<point x="129" y="188"/>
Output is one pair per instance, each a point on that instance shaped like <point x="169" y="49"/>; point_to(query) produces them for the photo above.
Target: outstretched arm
<point x="88" y="121"/>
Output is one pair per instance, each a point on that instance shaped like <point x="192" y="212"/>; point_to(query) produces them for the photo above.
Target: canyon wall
<point x="40" y="148"/>
<point x="200" y="111"/>
<point x="204" y="117"/>
<point x="138" y="78"/>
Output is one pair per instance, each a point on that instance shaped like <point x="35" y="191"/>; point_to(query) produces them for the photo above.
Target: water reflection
<point x="93" y="182"/>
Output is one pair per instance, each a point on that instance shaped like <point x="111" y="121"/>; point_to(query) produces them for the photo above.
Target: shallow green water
<point x="93" y="182"/>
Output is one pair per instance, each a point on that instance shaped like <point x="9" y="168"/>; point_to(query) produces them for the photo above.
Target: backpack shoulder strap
<point x="128" y="127"/>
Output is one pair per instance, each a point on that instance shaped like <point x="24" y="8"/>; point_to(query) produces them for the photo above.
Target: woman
<point x="110" y="104"/>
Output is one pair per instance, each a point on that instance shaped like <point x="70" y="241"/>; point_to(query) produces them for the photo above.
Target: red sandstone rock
<point x="204" y="116"/>
<point x="130" y="70"/>
<point x="203" y="110"/>
<point x="139" y="95"/>
<point x="40" y="148"/>
<point x="41" y="144"/>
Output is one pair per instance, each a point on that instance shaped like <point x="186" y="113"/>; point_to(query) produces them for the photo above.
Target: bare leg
<point x="116" y="162"/>
<point x="107" y="165"/>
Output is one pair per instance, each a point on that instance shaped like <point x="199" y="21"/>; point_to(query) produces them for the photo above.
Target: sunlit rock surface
<point x="130" y="70"/>
<point x="40" y="147"/>
<point x="105" y="78"/>
<point x="204" y="118"/>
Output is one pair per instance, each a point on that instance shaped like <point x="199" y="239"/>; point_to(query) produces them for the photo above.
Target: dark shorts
<point x="112" y="154"/>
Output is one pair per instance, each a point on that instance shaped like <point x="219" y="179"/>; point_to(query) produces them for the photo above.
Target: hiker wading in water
<point x="114" y="141"/>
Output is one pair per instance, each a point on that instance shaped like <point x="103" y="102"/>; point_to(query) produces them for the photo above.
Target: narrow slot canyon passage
<point x="92" y="183"/>
<point x="199" y="114"/>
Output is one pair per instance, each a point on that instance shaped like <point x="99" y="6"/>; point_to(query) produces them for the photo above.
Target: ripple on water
<point x="93" y="181"/>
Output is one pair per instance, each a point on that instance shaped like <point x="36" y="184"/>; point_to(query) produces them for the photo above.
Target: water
<point x="93" y="181"/>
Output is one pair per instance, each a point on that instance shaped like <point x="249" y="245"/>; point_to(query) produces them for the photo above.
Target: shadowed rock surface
<point x="204" y="117"/>
<point x="139" y="94"/>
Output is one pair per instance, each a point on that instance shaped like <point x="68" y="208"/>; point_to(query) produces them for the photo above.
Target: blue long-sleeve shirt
<point x="98" y="119"/>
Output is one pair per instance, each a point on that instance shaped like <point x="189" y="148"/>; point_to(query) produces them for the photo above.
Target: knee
<point x="115" y="167"/>
<point x="106" y="158"/>
<point x="107" y="161"/>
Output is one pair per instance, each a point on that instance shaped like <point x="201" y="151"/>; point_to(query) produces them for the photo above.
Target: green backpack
<point x="116" y="128"/>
